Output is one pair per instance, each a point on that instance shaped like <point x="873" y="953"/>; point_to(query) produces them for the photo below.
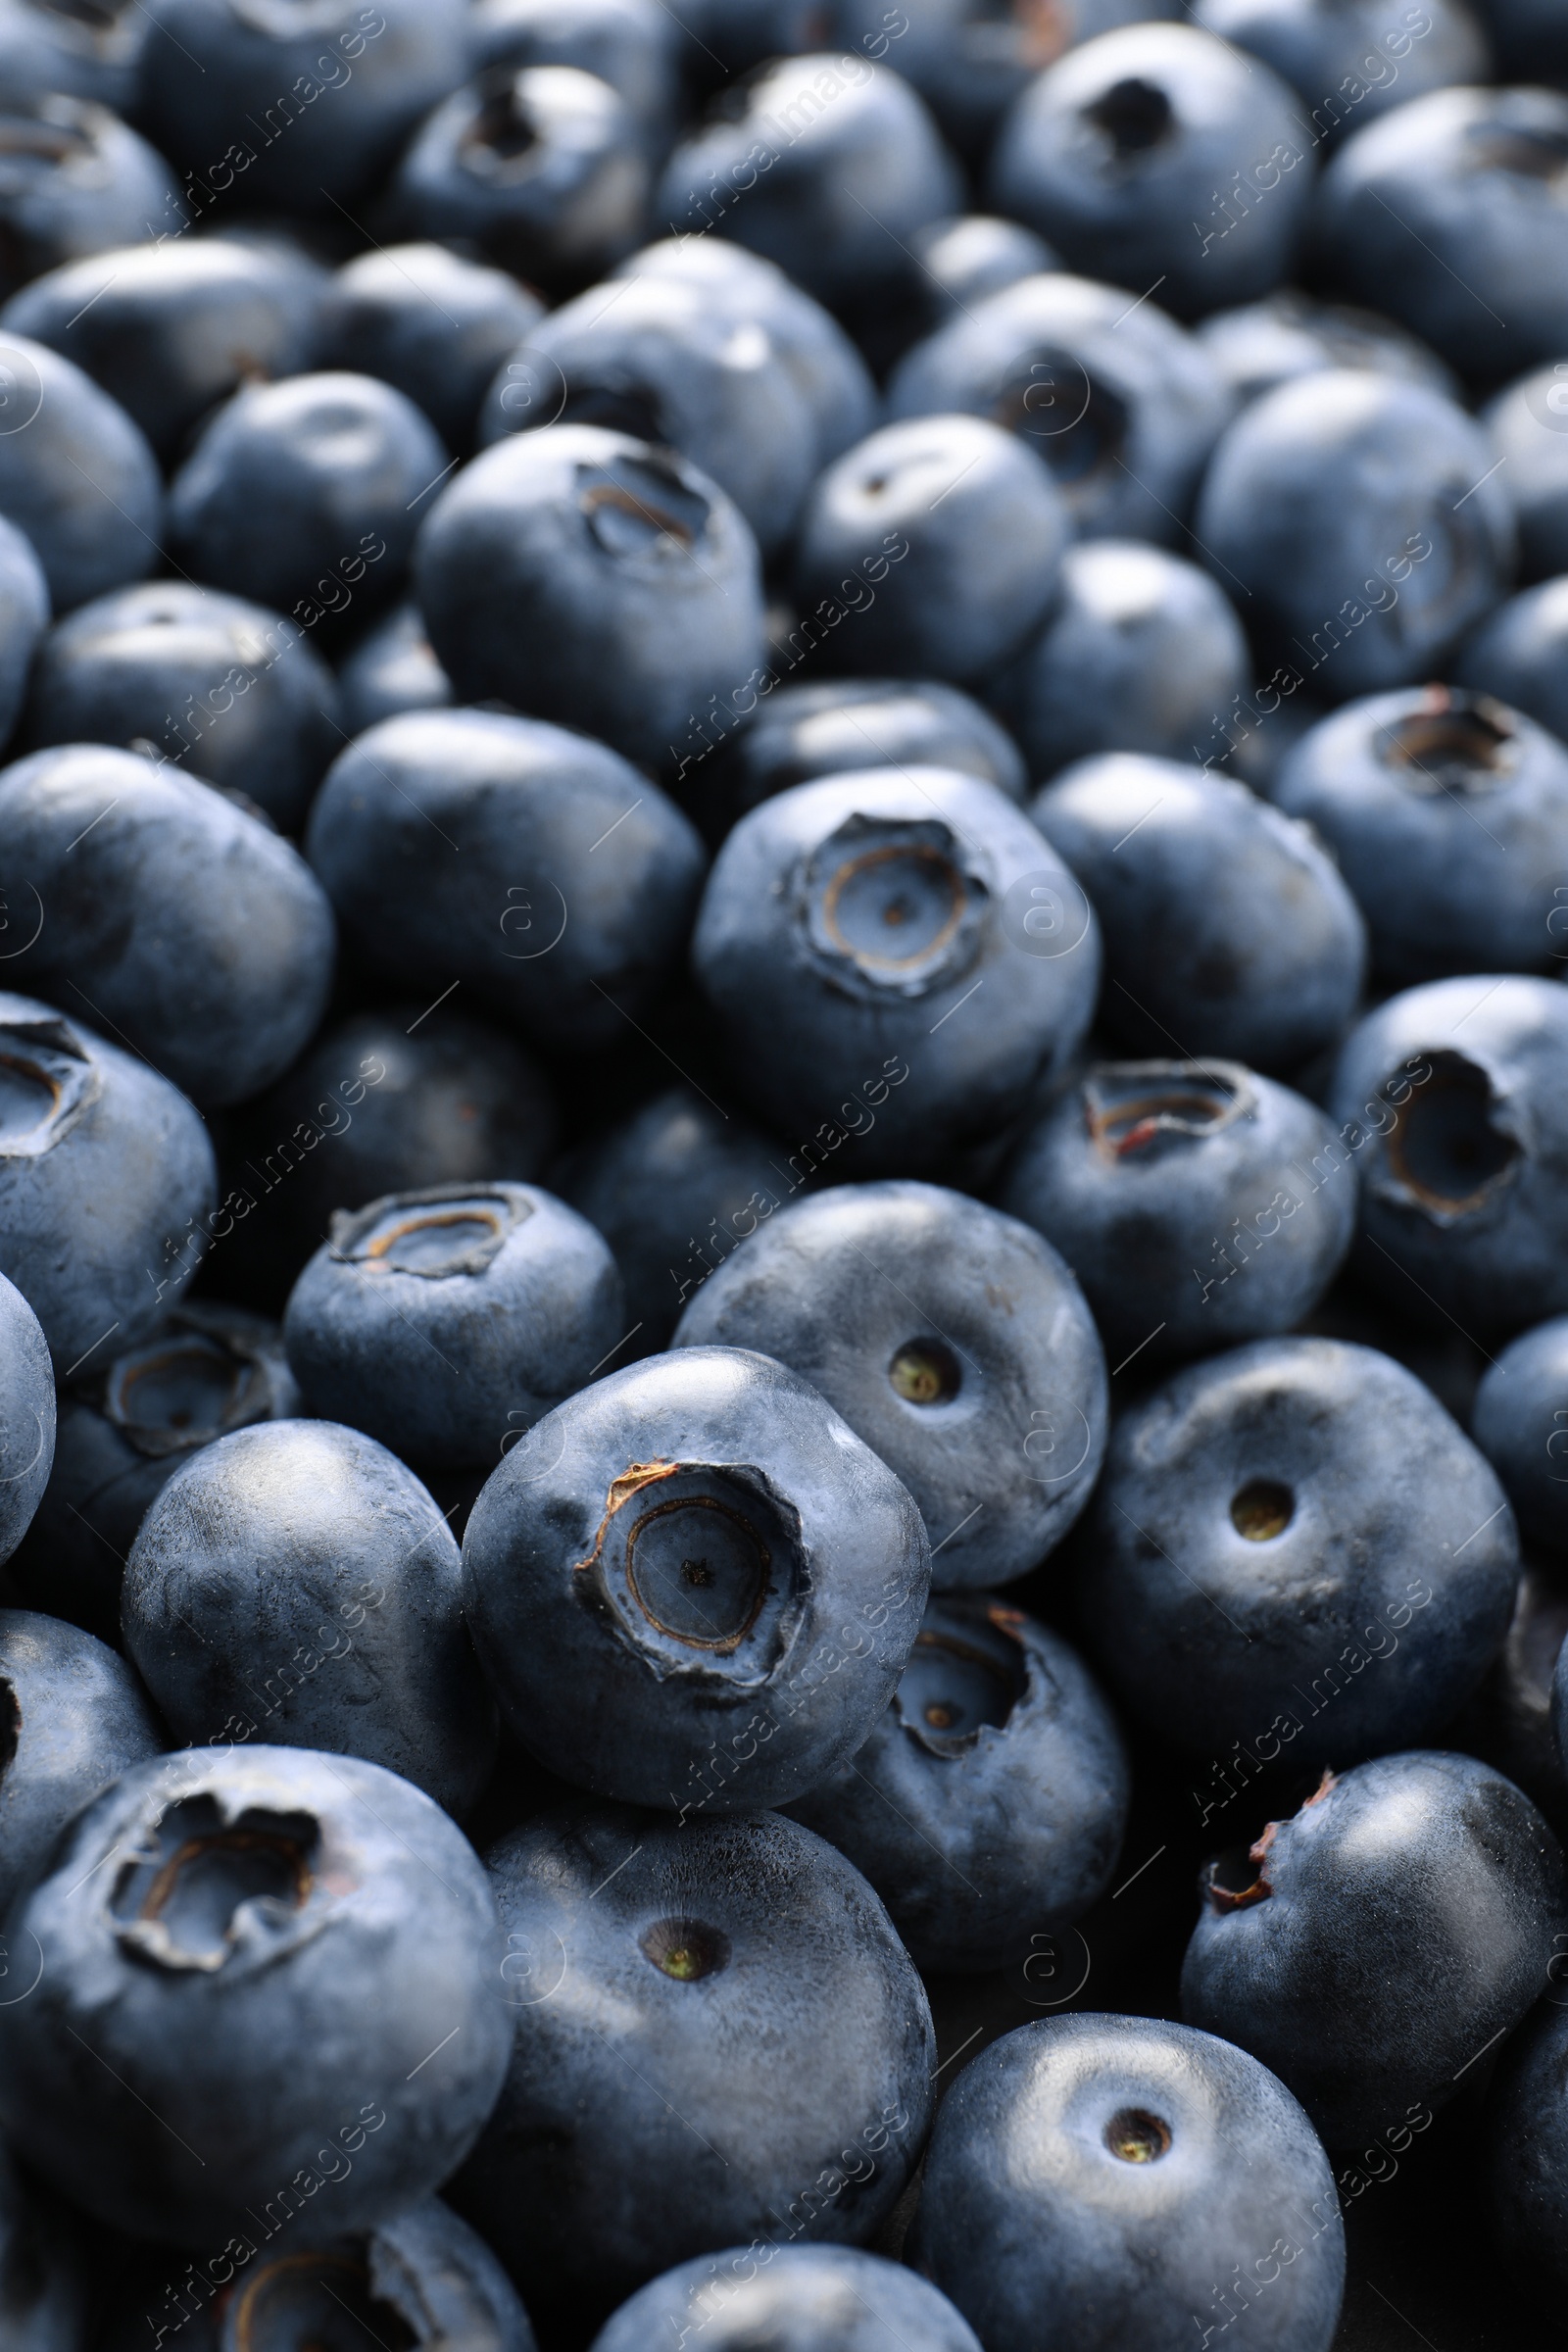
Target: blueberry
<point x="729" y="38"/>
<point x="1520" y="655"/>
<point x="1141" y="653"/>
<point x="75" y="1717"/>
<point x="47" y="2282"/>
<point x="292" y="1582"/>
<point x="588" y="579"/>
<point x="173" y="329"/>
<point x="27" y="1419"/>
<point x="429" y="323"/>
<point x="392" y="669"/>
<point x="47" y="49"/>
<point x="988" y="1806"/>
<point x="1525" y="2196"/>
<point x="1185" y="1197"/>
<point x="975" y="529"/>
<point x="1302" y="1525"/>
<point x="302" y="1942"/>
<point x="952" y="1339"/>
<point x="768" y="2075"/>
<point x="765" y="1594"/>
<point x="107" y="1183"/>
<point x="1353" y="518"/>
<point x="845" y="933"/>
<point x="531" y="862"/>
<point x="1341" y="1949"/>
<point x="295" y="489"/>
<point x="74" y="181"/>
<point x="122" y="1435"/>
<point x="76" y="476"/>
<point x="1123" y="407"/>
<point x="1520" y="1422"/>
<point x="1455" y="1097"/>
<point x="973" y="255"/>
<point x="1216" y="909"/>
<point x="24" y="620"/>
<point x="1527" y="426"/>
<point x="1272" y="342"/>
<point x="1349" y="65"/>
<point x="795" y="2298"/>
<point x="1094" y="2182"/>
<point x="633" y="45"/>
<point x="1508" y="1723"/>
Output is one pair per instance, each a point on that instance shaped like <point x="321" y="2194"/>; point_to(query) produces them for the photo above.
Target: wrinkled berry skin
<point x="1521" y="1426"/>
<point x="1097" y="2181"/>
<point x="1226" y="925"/>
<point x="294" y="1582"/>
<point x="562" y="891"/>
<point x="79" y="480"/>
<point x="1383" y="1935"/>
<point x="76" y="1719"/>
<point x="46" y="2270"/>
<point x="1294" y="1539"/>
<point x="28" y="1421"/>
<point x="107" y="1184"/>
<point x="792" y="2297"/>
<point x="1454" y="1098"/>
<point x="151" y="2039"/>
<point x="202" y="938"/>
<point x="427" y="322"/>
<point x="954" y="1342"/>
<point x="445" y="1321"/>
<point x="1191" y="1199"/>
<point x="989" y="1804"/>
<point x="769" y="1618"/>
<point x="1520" y="655"/>
<point x="1524" y="2184"/>
<point x="24" y="620"/>
<point x="842" y="937"/>
<point x="770" y="2037"/>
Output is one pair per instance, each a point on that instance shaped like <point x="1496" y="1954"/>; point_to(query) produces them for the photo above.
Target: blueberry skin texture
<point x="364" y="1882"/>
<point x="1462" y="799"/>
<point x="1227" y="915"/>
<point x="432" y="325"/>
<point x="973" y="255"/>
<point x="318" y="476"/>
<point x="1353" y="1966"/>
<point x="77" y="1718"/>
<point x="1271" y="342"/>
<point x="27" y="1420"/>
<point x="516" y="1294"/>
<point x="1326" y="502"/>
<point x="1455" y="1104"/>
<point x="24" y="620"/>
<point x="47" y="2299"/>
<point x="1527" y="426"/>
<point x="105" y="1171"/>
<point x="1521" y="2155"/>
<point x="392" y="669"/>
<point x="1141" y="1175"/>
<point x="1514" y="1422"/>
<point x="829" y="123"/>
<point x="1115" y="154"/>
<point x="1047" y="2238"/>
<point x="1520" y="655"/>
<point x="1350" y="65"/>
<point x="587" y="578"/>
<point x="1009" y="1822"/>
<point x="1143" y="652"/>
<point x="999" y="1429"/>
<point x="198" y="934"/>
<point x="794" y="2297"/>
<point x="222" y="688"/>
<point x="818" y="1015"/>
<point x="173" y="329"/>
<point x="551" y="932"/>
<point x="979" y="528"/>
<point x="1296" y="1530"/>
<point x="1456" y="190"/>
<point x="78" y="181"/>
<point x="631" y="1705"/>
<point x="293" y="1580"/>
<point x="80" y="482"/>
<point x="799" y="2033"/>
<point x="1124" y="408"/>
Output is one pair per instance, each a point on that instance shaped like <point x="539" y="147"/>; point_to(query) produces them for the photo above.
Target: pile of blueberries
<point x="783" y="1175"/>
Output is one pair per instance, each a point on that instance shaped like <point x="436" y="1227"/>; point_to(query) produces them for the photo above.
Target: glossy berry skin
<point x="952" y="1339"/>
<point x="107" y="1182"/>
<point x="294" y="1583"/>
<point x="1333" y="513"/>
<point x="1350" y="1963"/>
<point x="27" y="1418"/>
<point x="770" y="2035"/>
<point x="24" y="620"/>
<point x="219" y="687"/>
<point x="1294" y="1538"/>
<point x="978" y="531"/>
<point x="79" y="480"/>
<point x="845" y="928"/>
<point x="1454" y="1098"/>
<point x="1141" y="653"/>
<point x="429" y="323"/>
<point x="561" y="891"/>
<point x="1198" y="1203"/>
<point x="250" y="1899"/>
<point x="1524" y="2192"/>
<point x="1528" y="428"/>
<point x="1519" y="1423"/>
<point x="1227" y="927"/>
<point x="801" y="2296"/>
<point x="1350" y="65"/>
<point x="973" y="255"/>
<point x="47" y="2299"/>
<point x="1115" y="156"/>
<point x="444" y="1321"/>
<point x="1271" y="342"/>
<point x="587" y="578"/>
<point x="1094" y="2182"/>
<point x="1466" y="801"/>
<point x="392" y="669"/>
<point x="76" y="1718"/>
<point x="988" y="1806"/>
<point x="692" y="1585"/>
<point x="1123" y="407"/>
<point x="77" y="180"/>
<point x="1520" y="655"/>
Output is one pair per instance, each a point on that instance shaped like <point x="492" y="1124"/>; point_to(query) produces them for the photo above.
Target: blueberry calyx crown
<point x="968" y="1672"/>
<point x="1256" y="1887"/>
<point x="446" y="1229"/>
<point x="890" y="906"/>
<point x="48" y="1081"/>
<point x="201" y="1886"/>
<point x="210" y="1374"/>
<point x="1448" y="1151"/>
<point x="1144" y="1110"/>
<point x="1453" y="741"/>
